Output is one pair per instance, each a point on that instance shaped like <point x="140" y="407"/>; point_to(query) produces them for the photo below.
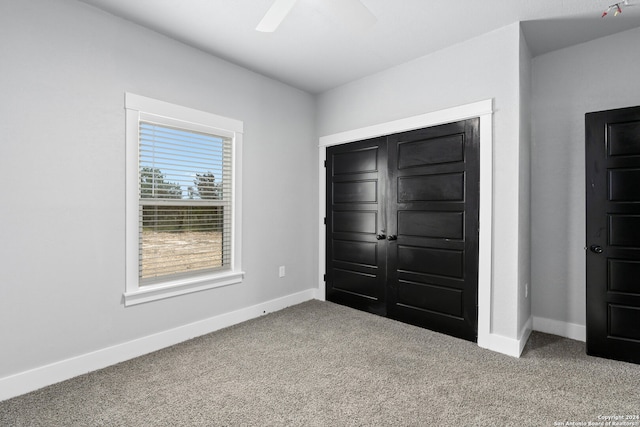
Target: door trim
<point x="483" y="110"/>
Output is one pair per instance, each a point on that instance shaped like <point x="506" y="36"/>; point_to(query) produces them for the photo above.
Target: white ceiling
<point x="315" y="49"/>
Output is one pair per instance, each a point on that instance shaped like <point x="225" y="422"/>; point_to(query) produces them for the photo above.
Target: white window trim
<point x="137" y="106"/>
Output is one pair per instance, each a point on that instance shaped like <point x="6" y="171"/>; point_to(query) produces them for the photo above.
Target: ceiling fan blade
<point x="275" y="15"/>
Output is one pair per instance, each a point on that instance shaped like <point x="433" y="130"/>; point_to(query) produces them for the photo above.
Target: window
<point x="183" y="200"/>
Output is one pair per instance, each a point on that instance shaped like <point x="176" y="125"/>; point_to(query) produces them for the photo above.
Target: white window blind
<point x="185" y="193"/>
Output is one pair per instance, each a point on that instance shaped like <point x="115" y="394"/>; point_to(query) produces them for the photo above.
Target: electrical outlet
<point x="281" y="271"/>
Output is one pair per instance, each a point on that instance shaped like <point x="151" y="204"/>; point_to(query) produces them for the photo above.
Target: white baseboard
<point x="563" y="329"/>
<point x="319" y="294"/>
<point x="43" y="376"/>
<point x="525" y="333"/>
<point x="501" y="344"/>
<point x="505" y="345"/>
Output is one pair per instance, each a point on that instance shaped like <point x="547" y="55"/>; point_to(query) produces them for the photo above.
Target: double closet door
<point x="402" y="227"/>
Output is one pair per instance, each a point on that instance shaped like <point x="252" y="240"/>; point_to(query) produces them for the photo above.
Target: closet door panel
<point x="356" y="257"/>
<point x="432" y="210"/>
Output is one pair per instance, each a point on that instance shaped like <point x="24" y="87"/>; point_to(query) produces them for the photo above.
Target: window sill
<point x="180" y="287"/>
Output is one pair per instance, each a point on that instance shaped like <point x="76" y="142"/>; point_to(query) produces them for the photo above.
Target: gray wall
<point x="65" y="69"/>
<point x="483" y="68"/>
<point x="599" y="75"/>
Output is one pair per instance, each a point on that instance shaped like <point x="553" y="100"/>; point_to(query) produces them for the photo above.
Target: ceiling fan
<point x="352" y="11"/>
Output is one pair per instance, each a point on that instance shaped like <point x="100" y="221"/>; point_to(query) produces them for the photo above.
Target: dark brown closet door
<point x="613" y="233"/>
<point x="356" y="248"/>
<point x="433" y="221"/>
<point x="402" y="226"/>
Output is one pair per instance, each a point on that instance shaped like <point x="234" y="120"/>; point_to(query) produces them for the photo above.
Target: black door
<point x="407" y="247"/>
<point x="356" y="253"/>
<point x="613" y="234"/>
<point x="433" y="211"/>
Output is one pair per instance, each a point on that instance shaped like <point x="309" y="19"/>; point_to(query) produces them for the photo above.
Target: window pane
<point x="185" y="202"/>
<point x="168" y="253"/>
<point x="181" y="164"/>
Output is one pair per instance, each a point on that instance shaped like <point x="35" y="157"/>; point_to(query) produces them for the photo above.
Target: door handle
<point x="392" y="237"/>
<point x="380" y="236"/>
<point x="596" y="249"/>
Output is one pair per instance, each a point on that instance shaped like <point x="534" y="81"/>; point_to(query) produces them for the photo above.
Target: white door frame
<point x="480" y="109"/>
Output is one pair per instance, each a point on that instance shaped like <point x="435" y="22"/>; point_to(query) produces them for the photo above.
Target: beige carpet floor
<point x="321" y="364"/>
